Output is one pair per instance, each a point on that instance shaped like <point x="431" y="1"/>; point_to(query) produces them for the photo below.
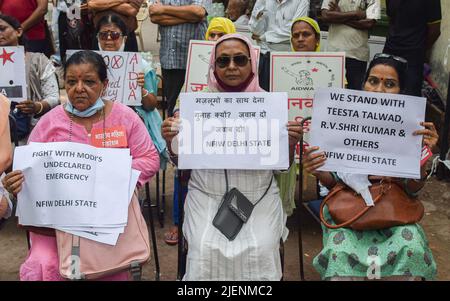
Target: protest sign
<point x="300" y="74"/>
<point x="233" y="131"/>
<point x="73" y="184"/>
<point x="198" y="64"/>
<point x="368" y="133"/>
<point x="13" y="82"/>
<point x="123" y="71"/>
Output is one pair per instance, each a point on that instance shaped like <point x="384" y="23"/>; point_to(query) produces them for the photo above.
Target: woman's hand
<point x="312" y="160"/>
<point x="13" y="182"/>
<point x="141" y="79"/>
<point x="295" y="132"/>
<point x="170" y="127"/>
<point x="28" y="107"/>
<point x="430" y="135"/>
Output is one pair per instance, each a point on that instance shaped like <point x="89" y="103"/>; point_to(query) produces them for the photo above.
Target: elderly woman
<point x="85" y="78"/>
<point x="253" y="254"/>
<point x="43" y="91"/>
<point x="403" y="251"/>
<point x="218" y="27"/>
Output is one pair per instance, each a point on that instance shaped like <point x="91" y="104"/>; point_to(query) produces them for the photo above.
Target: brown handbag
<point x="393" y="207"/>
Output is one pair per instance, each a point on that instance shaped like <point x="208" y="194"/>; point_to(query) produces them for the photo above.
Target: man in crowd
<point x="178" y="23"/>
<point x="270" y="24"/>
<point x="237" y="11"/>
<point x="414" y="26"/>
<point x="350" y="21"/>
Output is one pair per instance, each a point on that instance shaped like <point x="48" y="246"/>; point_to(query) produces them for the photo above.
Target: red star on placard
<point x="315" y="70"/>
<point x="6" y="56"/>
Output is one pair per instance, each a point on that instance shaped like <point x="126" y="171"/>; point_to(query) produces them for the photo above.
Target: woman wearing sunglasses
<point x="112" y="35"/>
<point x="402" y="252"/>
<point x="217" y="28"/>
<point x="254" y="253"/>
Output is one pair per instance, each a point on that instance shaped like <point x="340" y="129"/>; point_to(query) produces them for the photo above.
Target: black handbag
<point x="234" y="210"/>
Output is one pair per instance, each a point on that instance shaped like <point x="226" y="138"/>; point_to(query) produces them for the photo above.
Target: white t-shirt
<point x="353" y="41"/>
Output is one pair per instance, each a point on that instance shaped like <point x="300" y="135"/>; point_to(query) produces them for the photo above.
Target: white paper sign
<point x="300" y="74"/>
<point x="198" y="64"/>
<point x="13" y="82"/>
<point x="368" y="133"/>
<point x="123" y="70"/>
<point x="73" y="184"/>
<point x="233" y="131"/>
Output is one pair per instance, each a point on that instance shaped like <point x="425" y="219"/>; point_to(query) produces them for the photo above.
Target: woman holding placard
<point x="217" y="28"/>
<point x="43" y="90"/>
<point x="254" y="253"/>
<point x="83" y="119"/>
<point x="398" y="252"/>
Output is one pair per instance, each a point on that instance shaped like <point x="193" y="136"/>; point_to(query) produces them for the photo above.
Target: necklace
<point x="89" y="134"/>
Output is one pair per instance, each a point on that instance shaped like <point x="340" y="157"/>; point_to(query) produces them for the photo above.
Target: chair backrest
<point x="13" y="130"/>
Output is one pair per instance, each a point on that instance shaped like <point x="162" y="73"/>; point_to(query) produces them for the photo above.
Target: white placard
<point x="368" y="133"/>
<point x="73" y="184"/>
<point x="198" y="64"/>
<point x="300" y="74"/>
<point x="13" y="82"/>
<point x="233" y="131"/>
<point x="123" y="71"/>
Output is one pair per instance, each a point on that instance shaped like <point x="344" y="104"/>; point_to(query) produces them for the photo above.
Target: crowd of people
<point x="234" y="66"/>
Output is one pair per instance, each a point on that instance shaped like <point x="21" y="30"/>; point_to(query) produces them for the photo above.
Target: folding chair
<point x="162" y="197"/>
<point x="152" y="228"/>
<point x="313" y="207"/>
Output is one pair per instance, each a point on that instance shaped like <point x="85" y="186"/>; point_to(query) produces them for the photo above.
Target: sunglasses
<point x="114" y="35"/>
<point x="239" y="60"/>
<point x="390" y="56"/>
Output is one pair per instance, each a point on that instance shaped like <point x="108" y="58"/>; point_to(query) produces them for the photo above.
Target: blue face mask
<point x="98" y="105"/>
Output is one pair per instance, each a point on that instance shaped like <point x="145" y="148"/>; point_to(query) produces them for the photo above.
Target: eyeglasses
<point x="239" y="60"/>
<point x="390" y="56"/>
<point x="387" y="83"/>
<point x="114" y="35"/>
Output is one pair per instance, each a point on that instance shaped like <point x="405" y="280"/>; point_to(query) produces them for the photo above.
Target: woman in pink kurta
<point x="84" y="114"/>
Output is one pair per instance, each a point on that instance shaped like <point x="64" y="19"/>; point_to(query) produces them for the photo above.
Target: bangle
<point x="145" y="94"/>
<point x="40" y="110"/>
